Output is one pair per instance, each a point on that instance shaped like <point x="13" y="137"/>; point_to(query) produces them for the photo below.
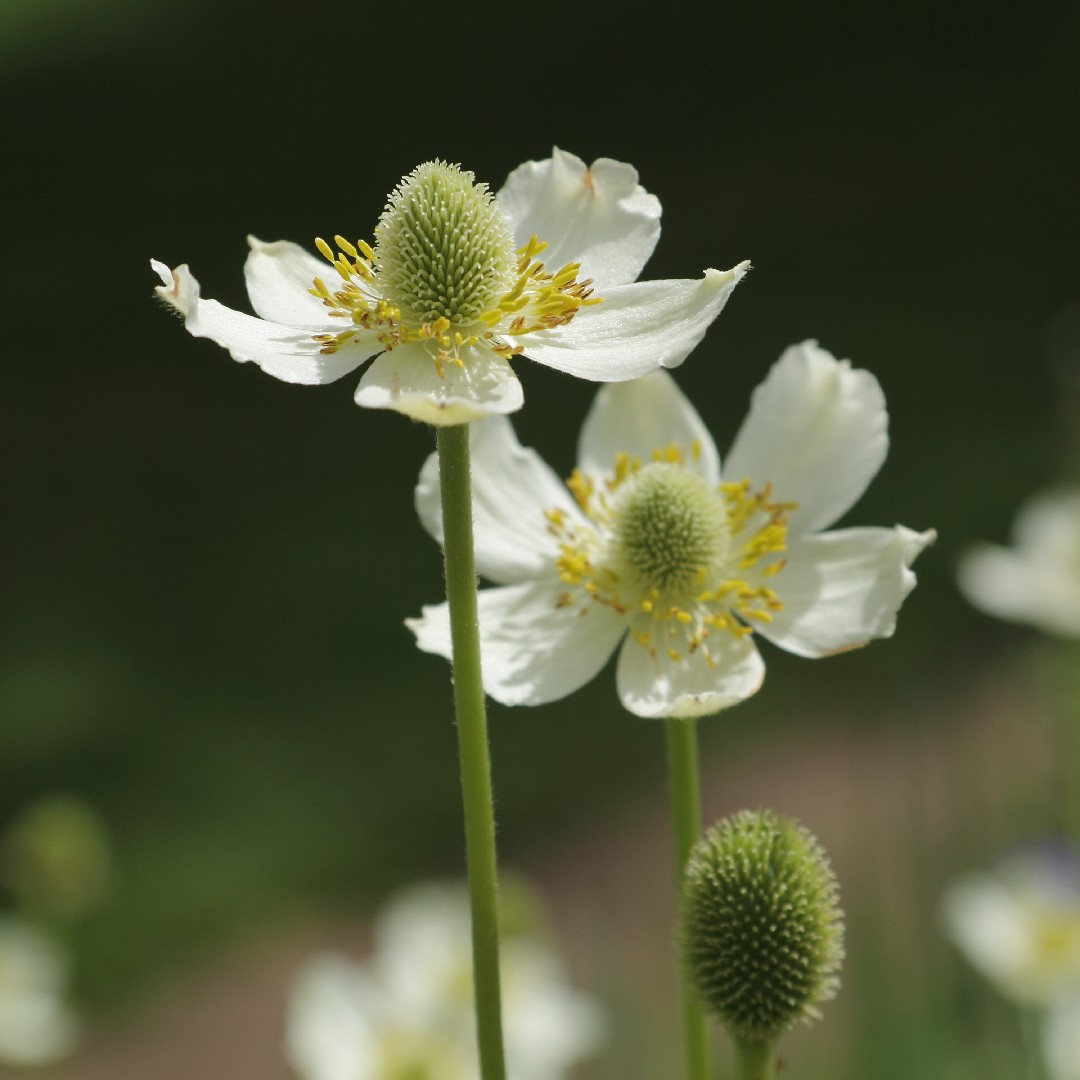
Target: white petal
<point x="637" y="329"/>
<point x="817" y="431"/>
<point x="657" y="686"/>
<point x="1037" y="581"/>
<point x="278" y="277"/>
<point x="598" y="215"/>
<point x="512" y="487"/>
<point x="641" y="416"/>
<point x="842" y="589"/>
<point x="332" y="1021"/>
<point x="1010" y="585"/>
<point x="286" y="352"/>
<point x="532" y="650"/>
<point x="408" y="381"/>
<point x="1061" y="1037"/>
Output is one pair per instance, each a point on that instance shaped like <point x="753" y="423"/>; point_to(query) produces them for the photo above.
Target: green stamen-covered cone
<point x="443" y="248"/>
<point x="762" y="930"/>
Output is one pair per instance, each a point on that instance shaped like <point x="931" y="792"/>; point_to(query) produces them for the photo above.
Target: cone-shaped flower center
<point x="444" y="250"/>
<point x="762" y="928"/>
<point x="670" y="529"/>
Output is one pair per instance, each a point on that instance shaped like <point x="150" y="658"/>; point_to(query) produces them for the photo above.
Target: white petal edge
<point x="598" y="215"/>
<point x="637" y="329"/>
<point x="512" y="487"/>
<point x="843" y="589"/>
<point x="285" y="352"/>
<point x="817" y="431"/>
<point x="407" y="380"/>
<point x="658" y="686"/>
<point x="1061" y="1037"/>
<point x="990" y="926"/>
<point x="1012" y="585"/>
<point x="278" y="276"/>
<point x="641" y="416"/>
<point x="532" y="650"/>
<point x="333" y="1014"/>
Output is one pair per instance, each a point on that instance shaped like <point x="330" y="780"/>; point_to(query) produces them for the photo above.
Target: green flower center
<point x="762" y="929"/>
<point x="444" y="250"/>
<point x="670" y="529"/>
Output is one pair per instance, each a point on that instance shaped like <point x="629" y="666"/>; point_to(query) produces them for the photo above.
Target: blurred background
<point x="206" y="571"/>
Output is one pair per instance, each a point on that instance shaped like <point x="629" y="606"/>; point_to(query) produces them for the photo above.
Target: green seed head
<point x="762" y="930"/>
<point x="670" y="528"/>
<point x="443" y="248"/>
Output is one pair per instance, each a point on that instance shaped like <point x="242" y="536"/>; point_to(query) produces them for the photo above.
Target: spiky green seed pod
<point x="762" y="930"/>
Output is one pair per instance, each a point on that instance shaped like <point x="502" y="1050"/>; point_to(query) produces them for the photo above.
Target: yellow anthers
<point x="539" y="300"/>
<point x="556" y="518"/>
<point x="347" y="246"/>
<point x="625" y="467"/>
<point x="572" y="565"/>
<point x="671" y="454"/>
<point x="581" y="487"/>
<point x="531" y="249"/>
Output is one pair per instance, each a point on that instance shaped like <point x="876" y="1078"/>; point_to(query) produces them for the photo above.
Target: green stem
<point x="756" y="1060"/>
<point x="456" y="486"/>
<point x="685" y="795"/>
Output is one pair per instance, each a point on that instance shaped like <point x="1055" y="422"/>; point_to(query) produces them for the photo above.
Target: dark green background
<point x="206" y="571"/>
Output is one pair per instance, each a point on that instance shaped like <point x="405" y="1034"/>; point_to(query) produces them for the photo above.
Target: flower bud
<point x="762" y="930"/>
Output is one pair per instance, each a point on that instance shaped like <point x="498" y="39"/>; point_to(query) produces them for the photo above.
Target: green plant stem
<point x="682" y="763"/>
<point x="456" y="489"/>
<point x="756" y="1060"/>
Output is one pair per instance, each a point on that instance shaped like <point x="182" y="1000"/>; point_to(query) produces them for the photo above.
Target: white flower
<point x="453" y="287"/>
<point x="648" y="542"/>
<point x="409" y="1012"/>
<point x="36" y="1027"/>
<point x="1038" y="580"/>
<point x="1020" y="925"/>
<point x="1061" y="1038"/>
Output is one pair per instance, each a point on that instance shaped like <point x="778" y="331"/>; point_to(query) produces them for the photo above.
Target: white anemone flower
<point x="408" y="1013"/>
<point x="36" y="1025"/>
<point x="1037" y="581"/>
<point x="650" y="544"/>
<point x="1061" y="1037"/>
<point x="1020" y="925"/>
<point x="458" y="281"/>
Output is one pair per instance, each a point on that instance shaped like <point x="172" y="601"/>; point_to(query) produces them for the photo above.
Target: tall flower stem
<point x="456" y="490"/>
<point x="685" y="793"/>
<point x="756" y="1060"/>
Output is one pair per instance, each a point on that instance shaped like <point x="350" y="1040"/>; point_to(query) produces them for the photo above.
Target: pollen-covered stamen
<point x="539" y="300"/>
<point x="355" y="296"/>
<point x="681" y="560"/>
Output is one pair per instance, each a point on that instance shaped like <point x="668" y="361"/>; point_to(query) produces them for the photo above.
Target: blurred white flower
<point x="453" y="287"/>
<point x="650" y="546"/>
<point x="408" y="1013"/>
<point x="1020" y="925"/>
<point x="1061" y="1038"/>
<point x="36" y="1027"/>
<point x="1036" y="581"/>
